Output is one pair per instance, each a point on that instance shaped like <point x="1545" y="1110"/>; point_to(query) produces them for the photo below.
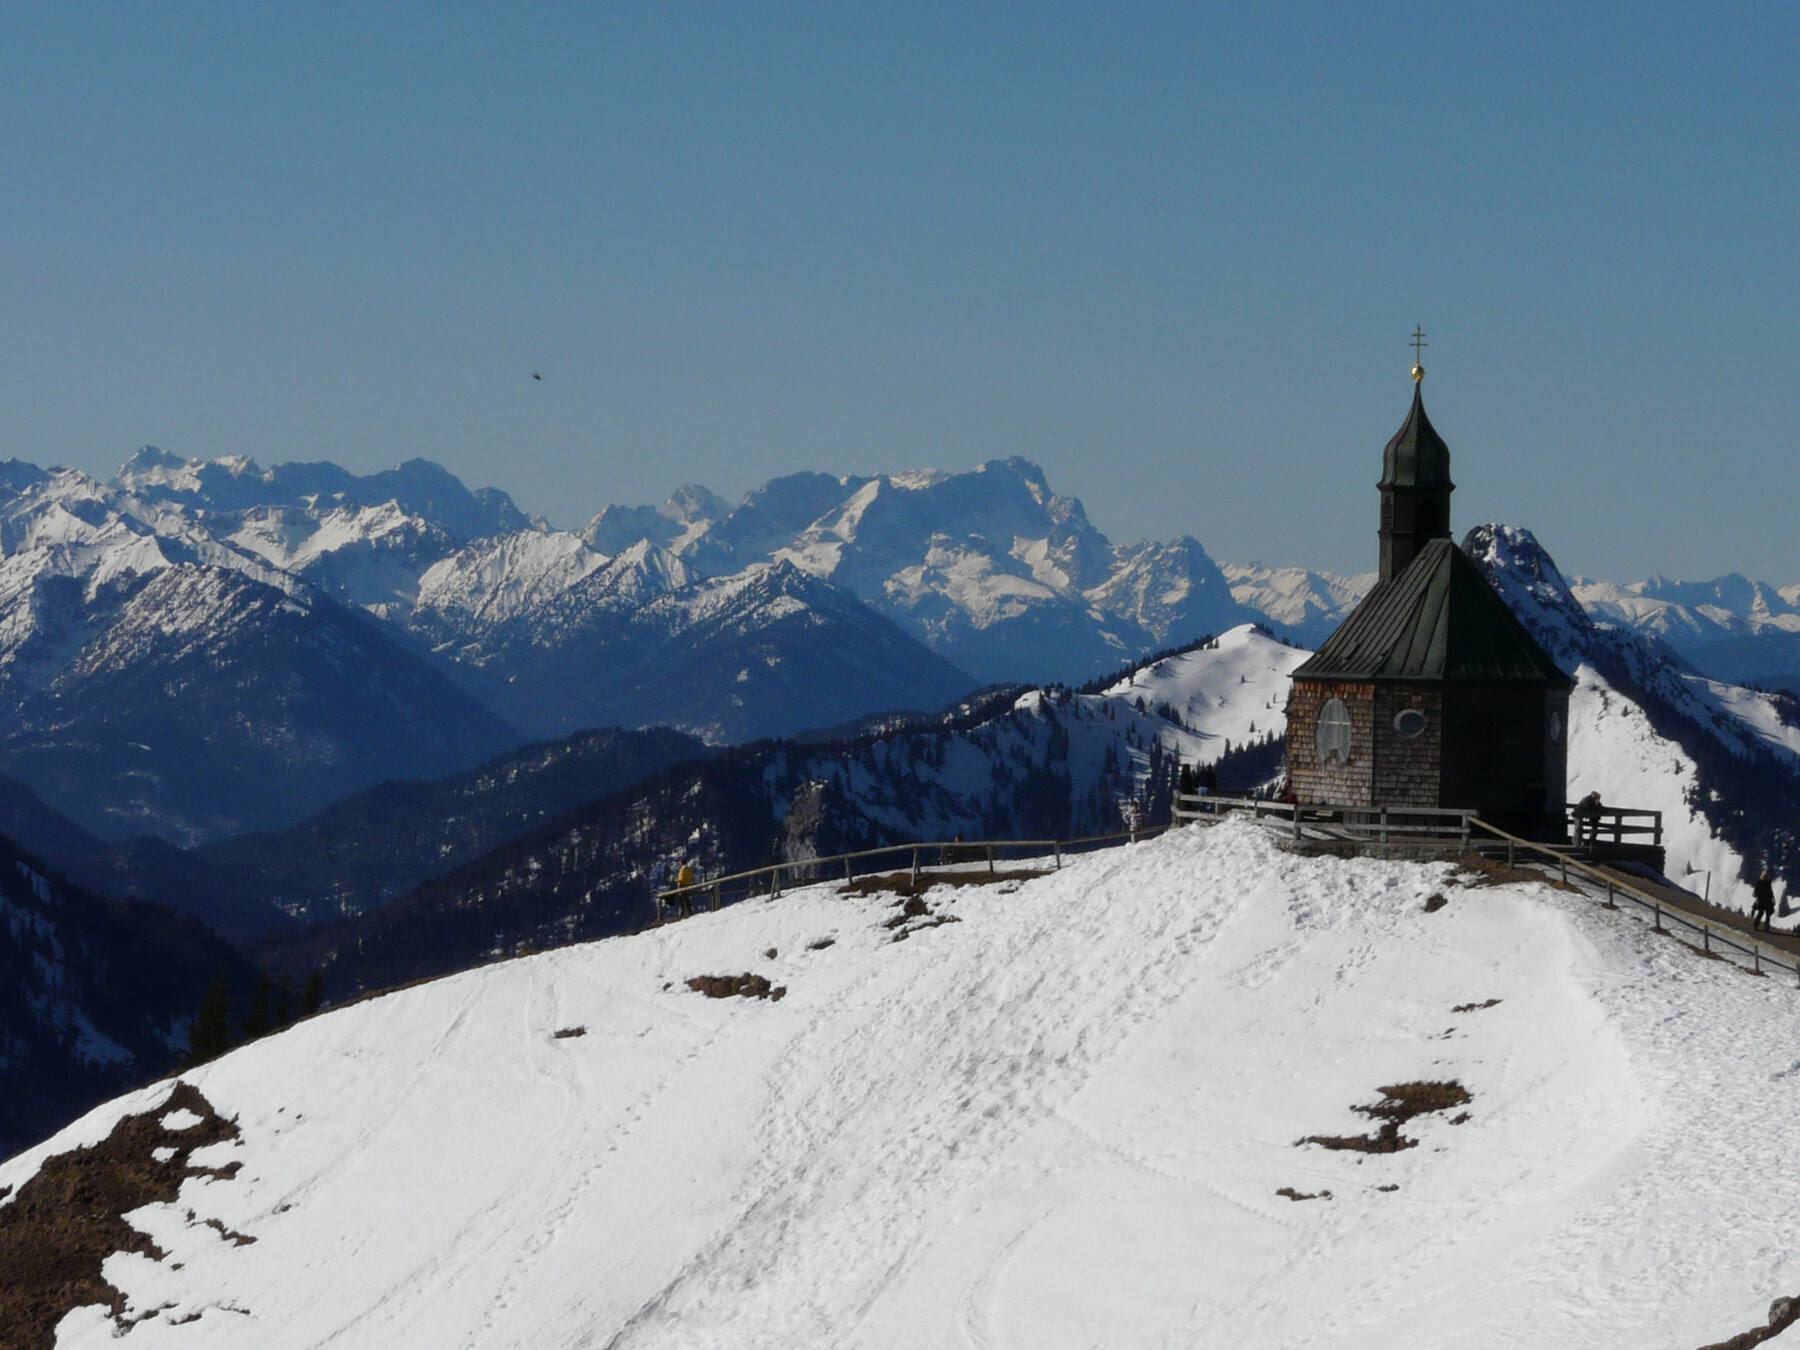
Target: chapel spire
<point x="1415" y="481"/>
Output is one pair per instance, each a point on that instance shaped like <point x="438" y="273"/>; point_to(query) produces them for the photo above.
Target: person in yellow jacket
<point x="685" y="876"/>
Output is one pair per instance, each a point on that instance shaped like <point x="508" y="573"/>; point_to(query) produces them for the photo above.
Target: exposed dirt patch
<point x="65" y="1221"/>
<point x="1400" y="1103"/>
<point x="746" y="985"/>
<point x="821" y="944"/>
<point x="1434" y="902"/>
<point x="1783" y="1313"/>
<point x="1293" y="1194"/>
<point x="1475" y="870"/>
<point x="236" y="1239"/>
<point x="568" y="1033"/>
<point x="1475" y="1007"/>
<point x="916" y="916"/>
<point x="1391" y="1186"/>
<point x="770" y="954"/>
<point x="901" y="883"/>
<point x="935" y="921"/>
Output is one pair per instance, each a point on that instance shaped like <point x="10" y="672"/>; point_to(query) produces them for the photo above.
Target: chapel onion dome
<point x="1416" y="457"/>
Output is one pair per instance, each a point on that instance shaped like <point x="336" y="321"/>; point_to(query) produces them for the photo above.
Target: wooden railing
<point x="920" y="859"/>
<point x="1614" y="825"/>
<point x="1377" y="824"/>
<point x="1711" y="934"/>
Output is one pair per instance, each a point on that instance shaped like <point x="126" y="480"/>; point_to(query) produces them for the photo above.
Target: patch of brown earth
<point x="737" y="986"/>
<point x="568" y="1033"/>
<point x="935" y="921"/>
<point x="1475" y="870"/>
<point x="821" y="944"/>
<point x="1475" y="1007"/>
<point x="901" y="883"/>
<point x="1293" y="1194"/>
<point x="1434" y="902"/>
<point x="236" y="1239"/>
<point x="68" y="1218"/>
<point x="1400" y="1103"/>
<point x="1783" y="1313"/>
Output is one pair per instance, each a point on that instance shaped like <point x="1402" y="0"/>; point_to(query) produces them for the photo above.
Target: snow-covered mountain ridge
<point x="1039" y="764"/>
<point x="1065" y="1118"/>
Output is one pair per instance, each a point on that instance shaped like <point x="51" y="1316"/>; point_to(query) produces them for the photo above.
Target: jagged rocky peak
<point x="17" y="476"/>
<point x="688" y="513"/>
<point x="236" y="483"/>
<point x="501" y="577"/>
<point x="1527" y="577"/>
<point x="770" y="518"/>
<point x="1175" y="590"/>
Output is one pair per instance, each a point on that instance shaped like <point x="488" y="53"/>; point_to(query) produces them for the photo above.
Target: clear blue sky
<point x="1173" y="252"/>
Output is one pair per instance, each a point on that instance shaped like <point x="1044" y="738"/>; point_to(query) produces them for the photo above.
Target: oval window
<point x="1333" y="735"/>
<point x="1409" y="723"/>
<point x="1556" y="726"/>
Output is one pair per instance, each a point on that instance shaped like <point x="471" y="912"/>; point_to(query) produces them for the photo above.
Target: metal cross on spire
<point x="1418" y="345"/>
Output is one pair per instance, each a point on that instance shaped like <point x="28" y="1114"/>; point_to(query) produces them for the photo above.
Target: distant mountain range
<point x="197" y="648"/>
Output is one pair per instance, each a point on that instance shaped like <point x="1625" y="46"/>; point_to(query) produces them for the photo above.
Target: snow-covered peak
<point x="1529" y="580"/>
<point x="1304" y="603"/>
<point x="236" y="483"/>
<point x="1227" y="694"/>
<point x="500" y="578"/>
<point x="1175" y="591"/>
<point x="688" y="514"/>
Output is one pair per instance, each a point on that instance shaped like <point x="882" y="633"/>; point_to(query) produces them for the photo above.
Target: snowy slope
<point x="1719" y="761"/>
<point x="1061" y="1121"/>
<point x="1233" y="691"/>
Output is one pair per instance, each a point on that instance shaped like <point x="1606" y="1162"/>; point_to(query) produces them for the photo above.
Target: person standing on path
<point x="1763" y="910"/>
<point x="685" y="877"/>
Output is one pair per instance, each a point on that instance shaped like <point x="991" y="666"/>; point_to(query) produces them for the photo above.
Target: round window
<point x="1409" y="723"/>
<point x="1333" y="735"/>
<point x="1556" y="726"/>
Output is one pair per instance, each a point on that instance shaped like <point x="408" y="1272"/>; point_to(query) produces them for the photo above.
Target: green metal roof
<point x="1439" y="619"/>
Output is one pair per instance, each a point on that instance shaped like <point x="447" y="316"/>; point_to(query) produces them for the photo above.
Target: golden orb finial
<point x="1418" y="345"/>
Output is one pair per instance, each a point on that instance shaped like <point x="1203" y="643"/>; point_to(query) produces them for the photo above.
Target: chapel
<point x="1432" y="693"/>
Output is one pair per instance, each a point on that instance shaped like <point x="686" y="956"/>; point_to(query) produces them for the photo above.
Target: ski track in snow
<point x="1060" y="1122"/>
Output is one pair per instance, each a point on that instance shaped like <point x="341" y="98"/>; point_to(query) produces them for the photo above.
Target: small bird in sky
<point x="536" y="376"/>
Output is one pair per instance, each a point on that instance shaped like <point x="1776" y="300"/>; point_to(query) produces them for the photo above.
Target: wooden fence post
<point x="915" y="881"/>
<point x="1058" y="855"/>
<point x="990" y="853"/>
<point x="1511" y="856"/>
<point x="716" y="886"/>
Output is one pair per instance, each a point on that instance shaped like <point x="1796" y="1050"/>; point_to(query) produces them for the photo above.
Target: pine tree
<point x="256" y="1020"/>
<point x="312" y="998"/>
<point x="211" y="1033"/>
